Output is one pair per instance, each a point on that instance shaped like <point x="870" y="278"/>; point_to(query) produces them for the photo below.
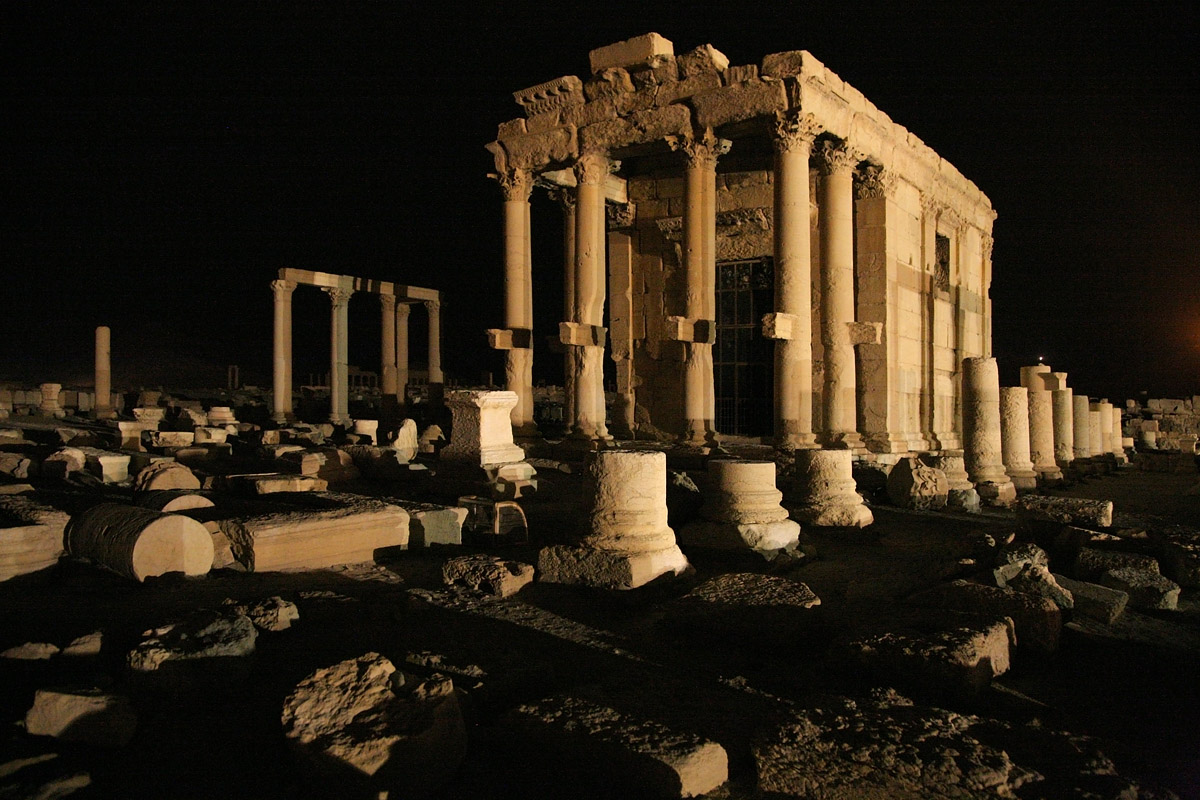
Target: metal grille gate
<point x="743" y="359"/>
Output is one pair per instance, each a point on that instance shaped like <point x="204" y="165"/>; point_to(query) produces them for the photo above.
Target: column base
<point x="835" y="514"/>
<point x="884" y="442"/>
<point x="1023" y="480"/>
<point x="607" y="569"/>
<point x="842" y="440"/>
<point x="699" y="433"/>
<point x="768" y="539"/>
<point x="996" y="494"/>
<point x="796" y="441"/>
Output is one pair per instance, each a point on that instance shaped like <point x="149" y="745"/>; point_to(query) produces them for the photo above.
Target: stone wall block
<point x="739" y="102"/>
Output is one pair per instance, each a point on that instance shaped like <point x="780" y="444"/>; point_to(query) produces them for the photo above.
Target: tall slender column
<point x="700" y="269"/>
<point x="567" y="197"/>
<point x="791" y="324"/>
<point x="401" y="349"/>
<point x="282" y="351"/>
<point x="517" y="342"/>
<point x="387" y="304"/>
<point x="102" y="408"/>
<point x="584" y="332"/>
<point x="837" y="293"/>
<point x="434" y="309"/>
<point x="982" y="445"/>
<point x="339" y="354"/>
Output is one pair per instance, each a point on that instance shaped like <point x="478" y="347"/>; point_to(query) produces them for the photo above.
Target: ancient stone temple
<point x="779" y="258"/>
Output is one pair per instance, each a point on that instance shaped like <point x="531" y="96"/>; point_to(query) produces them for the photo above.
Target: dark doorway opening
<point x="743" y="359"/>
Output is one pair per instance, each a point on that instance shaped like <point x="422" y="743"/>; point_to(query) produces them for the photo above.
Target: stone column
<point x="281" y="366"/>
<point x="1118" y="437"/>
<point x="836" y="206"/>
<point x="1014" y="436"/>
<point x="982" y="445"/>
<point x="387" y="304"/>
<point x="401" y="325"/>
<point x="1031" y="377"/>
<point x="742" y="511"/>
<point x="697" y="329"/>
<point x="791" y="324"/>
<point x="1105" y="408"/>
<point x="825" y="492"/>
<point x="627" y="542"/>
<point x="339" y="354"/>
<point x="570" y="354"/>
<point x="102" y="409"/>
<point x="1041" y="435"/>
<point x="584" y="332"/>
<point x="1064" y="426"/>
<point x="517" y="341"/>
<point x="1096" y="430"/>
<point x="49" y="405"/>
<point x="433" y="309"/>
<point x="1080" y="437"/>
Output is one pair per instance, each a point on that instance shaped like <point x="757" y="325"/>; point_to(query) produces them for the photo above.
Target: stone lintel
<point x="580" y="334"/>
<point x="698" y="331"/>
<point x="649" y="48"/>
<point x="510" y="338"/>
<point x="781" y="325"/>
<point x="761" y="98"/>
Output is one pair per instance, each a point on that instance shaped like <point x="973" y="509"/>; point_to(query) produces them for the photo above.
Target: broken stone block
<point x="1038" y="619"/>
<point x="1022" y="553"/>
<point x="494" y="521"/>
<point x="31" y="535"/>
<point x="1065" y="511"/>
<point x="962" y="654"/>
<point x="1091" y="563"/>
<point x="1034" y="579"/>
<point x="297" y="460"/>
<point x="31" y="651"/>
<point x="209" y="434"/>
<point x="361" y="721"/>
<point x="1181" y="557"/>
<point x="90" y="716"/>
<point x="84" y="646"/>
<point x="1148" y="591"/>
<point x="63" y="462"/>
<point x="1093" y="600"/>
<point x="169" y="500"/>
<point x="162" y="475"/>
<point x="912" y="484"/>
<point x="337" y="467"/>
<point x="15" y="465"/>
<point x="488" y="574"/>
<point x="108" y="467"/>
<point x="745" y="608"/>
<point x="202" y="637"/>
<point x="640" y="50"/>
<point x="139" y="543"/>
<point x="429" y="523"/>
<point x="274" y="482"/>
<point x="163" y="439"/>
<point x="312" y="538"/>
<point x="272" y="614"/>
<point x="632" y="756"/>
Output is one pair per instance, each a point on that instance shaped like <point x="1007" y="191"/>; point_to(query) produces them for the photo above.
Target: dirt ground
<point x="1134" y="685"/>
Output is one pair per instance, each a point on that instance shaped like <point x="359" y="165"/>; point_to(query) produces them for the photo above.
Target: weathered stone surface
<point x="702" y="60"/>
<point x="82" y="715"/>
<point x="886" y="747"/>
<point x="1091" y="563"/>
<point x="912" y="484"/>
<point x="745" y="608"/>
<point x="63" y="462"/>
<point x="1093" y="600"/>
<point x="15" y="465"/>
<point x="363" y="722"/>
<point x="1147" y="591"/>
<point x="607" y="569"/>
<point x="825" y="493"/>
<point x="84" y="646"/>
<point x="489" y="574"/>
<point x="203" y="636"/>
<point x="1022" y="553"/>
<point x="162" y="475"/>
<point x="961" y="654"/>
<point x="1181" y="557"/>
<point x="429" y="523"/>
<point x="1034" y="579"/>
<point x="786" y="64"/>
<point x="31" y="651"/>
<point x="637" y="128"/>
<point x="31" y="535"/>
<point x="1065" y="510"/>
<point x="169" y="500"/>
<point x="645" y="49"/>
<point x="535" y="150"/>
<point x="44" y="776"/>
<point x="621" y="751"/>
<point x="270" y="614"/>
<point x="758" y="98"/>
<point x="1038" y="619"/>
<point x="139" y="543"/>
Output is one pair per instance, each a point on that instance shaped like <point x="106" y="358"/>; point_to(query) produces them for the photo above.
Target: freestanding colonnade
<point x="394" y="299"/>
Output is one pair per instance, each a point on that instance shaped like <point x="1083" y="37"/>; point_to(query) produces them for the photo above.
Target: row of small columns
<point x="790" y="325"/>
<point x="394" y="349"/>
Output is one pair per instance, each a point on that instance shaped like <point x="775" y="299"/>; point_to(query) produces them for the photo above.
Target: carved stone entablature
<point x="515" y="184"/>
<point x="620" y="215"/>
<point x="671" y="228"/>
<point x="701" y="151"/>
<point x="551" y="95"/>
<point x="563" y="195"/>
<point x="836" y="156"/>
<point x="736" y="222"/>
<point x="874" y="182"/>
<point x="592" y="169"/>
<point x="608" y="83"/>
<point x="795" y="129"/>
<point x="988" y="241"/>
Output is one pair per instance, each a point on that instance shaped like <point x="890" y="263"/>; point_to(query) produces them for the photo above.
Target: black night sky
<point x="163" y="162"/>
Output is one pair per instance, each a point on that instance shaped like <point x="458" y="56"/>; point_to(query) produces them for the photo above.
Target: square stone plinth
<point x="607" y="569"/>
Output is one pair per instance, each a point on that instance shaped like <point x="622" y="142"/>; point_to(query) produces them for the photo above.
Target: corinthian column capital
<point x="432" y="306"/>
<point x="836" y="157"/>
<point x="282" y="288"/>
<point x="388" y="301"/>
<point x="592" y="169"/>
<point x="875" y="182"/>
<point x="337" y="295"/>
<point x="516" y="184"/>
<point x="793" y="130"/>
<point x="700" y="151"/>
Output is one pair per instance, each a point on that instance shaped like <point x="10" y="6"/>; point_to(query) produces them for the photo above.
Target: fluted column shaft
<point x="281" y="362"/>
<point x="339" y="355"/>
<point x="837" y="293"/>
<point x="792" y="328"/>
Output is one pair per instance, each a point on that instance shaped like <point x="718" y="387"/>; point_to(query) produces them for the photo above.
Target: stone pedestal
<point x="151" y="417"/>
<point x="742" y="510"/>
<point x="627" y="542"/>
<point x="1014" y="437"/>
<point x="1032" y="377"/>
<point x="1041" y="436"/>
<point x="49" y="406"/>
<point x="367" y="427"/>
<point x="482" y="428"/>
<point x="982" y="445"/>
<point x="1062" y="404"/>
<point x="825" y="493"/>
<point x="221" y="415"/>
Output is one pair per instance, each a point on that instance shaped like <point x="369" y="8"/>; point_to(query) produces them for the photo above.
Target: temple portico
<point x="783" y="261"/>
<point x="395" y="300"/>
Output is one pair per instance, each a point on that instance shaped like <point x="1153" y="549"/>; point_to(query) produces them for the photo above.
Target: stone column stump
<point x="1014" y="437"/>
<point x="983" y="449"/>
<point x="825" y="492"/>
<point x="742" y="510"/>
